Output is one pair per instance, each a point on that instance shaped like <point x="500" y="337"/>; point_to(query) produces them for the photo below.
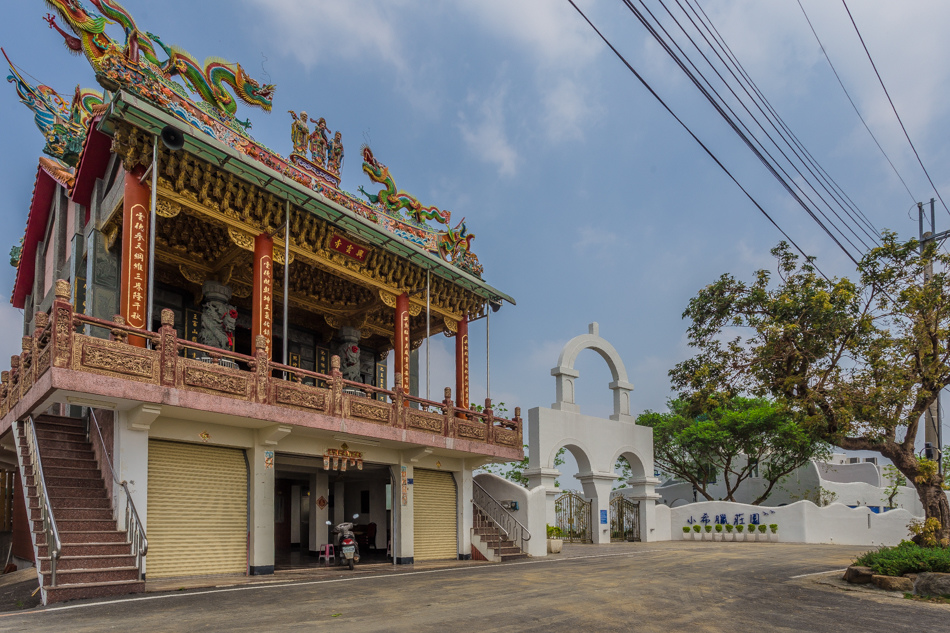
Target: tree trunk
<point x="934" y="499"/>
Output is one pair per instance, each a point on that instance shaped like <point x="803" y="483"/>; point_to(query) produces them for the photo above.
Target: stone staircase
<point x="490" y="541"/>
<point x="96" y="558"/>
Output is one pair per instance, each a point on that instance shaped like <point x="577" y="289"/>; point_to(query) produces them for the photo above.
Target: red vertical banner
<point x="402" y="339"/>
<point x="134" y="283"/>
<point x="461" y="365"/>
<point x="262" y="319"/>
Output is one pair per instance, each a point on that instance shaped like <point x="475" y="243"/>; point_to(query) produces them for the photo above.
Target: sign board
<point x="603" y="517"/>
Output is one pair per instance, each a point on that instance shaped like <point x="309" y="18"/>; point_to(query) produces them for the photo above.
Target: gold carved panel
<point x="111" y="358"/>
<point x="369" y="410"/>
<point x="425" y="422"/>
<point x="301" y="397"/>
<point x="213" y="380"/>
<point x="470" y="431"/>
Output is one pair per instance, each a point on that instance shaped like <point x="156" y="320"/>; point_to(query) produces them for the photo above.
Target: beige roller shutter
<point x="434" y="522"/>
<point x="197" y="510"/>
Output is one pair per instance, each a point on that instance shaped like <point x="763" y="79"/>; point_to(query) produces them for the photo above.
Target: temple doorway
<point x="306" y="496"/>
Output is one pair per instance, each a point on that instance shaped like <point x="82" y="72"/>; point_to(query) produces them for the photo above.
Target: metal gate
<point x="573" y="517"/>
<point x="624" y="520"/>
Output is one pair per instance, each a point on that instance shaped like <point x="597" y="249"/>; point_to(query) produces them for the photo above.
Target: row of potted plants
<point x="728" y="532"/>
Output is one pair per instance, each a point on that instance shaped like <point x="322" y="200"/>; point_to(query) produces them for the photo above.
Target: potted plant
<point x="708" y="535"/>
<point x="686" y="532"/>
<point x="762" y="535"/>
<point x="555" y="539"/>
<point x="773" y="528"/>
<point x="740" y="536"/>
<point x="696" y="535"/>
<point x="729" y="535"/>
<point x="718" y="534"/>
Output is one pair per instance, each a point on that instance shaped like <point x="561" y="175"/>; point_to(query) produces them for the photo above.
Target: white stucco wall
<point x="531" y="507"/>
<point x="804" y="522"/>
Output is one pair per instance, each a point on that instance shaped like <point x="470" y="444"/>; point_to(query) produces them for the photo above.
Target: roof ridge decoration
<point x="133" y="65"/>
<point x="62" y="122"/>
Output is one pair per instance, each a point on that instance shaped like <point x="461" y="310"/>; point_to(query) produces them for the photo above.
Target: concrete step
<point x="78" y="525"/>
<point x="87" y="576"/>
<point x="60" y="419"/>
<point x="73" y="472"/>
<point x="92" y="501"/>
<point x="89" y="562"/>
<point x="67" y="462"/>
<point x="62" y="593"/>
<point x="67" y="453"/>
<point x="44" y="434"/>
<point x="53" y="483"/>
<point x="507" y="557"/>
<point x="65" y="445"/>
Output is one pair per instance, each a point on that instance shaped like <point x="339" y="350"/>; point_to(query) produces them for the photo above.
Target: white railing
<point x="134" y="531"/>
<point x="512" y="528"/>
<point x="54" y="544"/>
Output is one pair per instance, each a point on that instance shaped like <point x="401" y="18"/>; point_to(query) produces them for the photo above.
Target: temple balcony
<point x="64" y="361"/>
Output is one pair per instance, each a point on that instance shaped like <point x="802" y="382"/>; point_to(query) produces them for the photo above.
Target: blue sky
<point x="588" y="202"/>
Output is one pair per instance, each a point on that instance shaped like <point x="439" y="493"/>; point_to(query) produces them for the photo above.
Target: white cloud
<point x="318" y="31"/>
<point x="564" y="110"/>
<point x="550" y="31"/>
<point x="486" y="136"/>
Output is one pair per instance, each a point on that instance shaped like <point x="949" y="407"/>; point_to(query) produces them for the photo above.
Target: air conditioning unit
<point x="854" y="460"/>
<point x="870" y="460"/>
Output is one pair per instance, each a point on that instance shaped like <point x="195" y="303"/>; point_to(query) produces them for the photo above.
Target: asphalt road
<point x="678" y="586"/>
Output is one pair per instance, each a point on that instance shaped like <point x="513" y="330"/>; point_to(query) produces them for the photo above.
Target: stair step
<point x="68" y="462"/>
<point x="75" y="514"/>
<point x="76" y="537"/>
<point x="67" y="453"/>
<point x="72" y="472"/>
<point x="44" y="434"/>
<point x="69" y="445"/>
<point x="507" y="557"/>
<point x="87" y="576"/>
<point x="52" y="483"/>
<point x="89" y="562"/>
<point x="62" y="593"/>
<point x="60" y="419"/>
<point x="93" y="501"/>
<point x="79" y="525"/>
<point x="88" y="549"/>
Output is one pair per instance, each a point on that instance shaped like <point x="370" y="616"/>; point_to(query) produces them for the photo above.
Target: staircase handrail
<point x="53" y="541"/>
<point x="505" y="520"/>
<point x="135" y="533"/>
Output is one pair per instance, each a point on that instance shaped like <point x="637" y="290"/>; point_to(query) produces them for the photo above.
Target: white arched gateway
<point x="595" y="443"/>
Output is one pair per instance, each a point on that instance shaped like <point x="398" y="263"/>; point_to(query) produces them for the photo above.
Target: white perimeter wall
<point x="804" y="522"/>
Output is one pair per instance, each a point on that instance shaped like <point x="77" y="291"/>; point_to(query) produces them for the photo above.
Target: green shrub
<point x="696" y="528"/>
<point x="762" y="528"/>
<point x="773" y="527"/>
<point x="719" y="527"/>
<point x="730" y="528"/>
<point x="685" y="529"/>
<point x="709" y="528"/>
<point x="739" y="528"/>
<point x="555" y="532"/>
<point x="906" y="558"/>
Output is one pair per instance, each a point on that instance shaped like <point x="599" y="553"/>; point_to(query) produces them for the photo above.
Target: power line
<point x="853" y="105"/>
<point x="842" y="195"/>
<point x="893" y="107"/>
<point x="732" y="123"/>
<point x="780" y="129"/>
<point x="696" y="138"/>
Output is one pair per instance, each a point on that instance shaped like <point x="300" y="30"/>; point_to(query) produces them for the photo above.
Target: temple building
<point x="203" y="381"/>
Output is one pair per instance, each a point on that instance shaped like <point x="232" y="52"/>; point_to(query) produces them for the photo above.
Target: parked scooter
<point x="346" y="545"/>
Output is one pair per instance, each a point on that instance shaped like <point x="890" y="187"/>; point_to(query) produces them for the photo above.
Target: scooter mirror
<point x="356" y="516"/>
<point x="328" y="523"/>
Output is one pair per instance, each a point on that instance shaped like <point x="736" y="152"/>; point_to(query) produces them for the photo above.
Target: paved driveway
<point x="665" y="587"/>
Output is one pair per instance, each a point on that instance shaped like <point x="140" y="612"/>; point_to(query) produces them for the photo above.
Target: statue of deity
<point x="335" y="158"/>
<point x="349" y="352"/>
<point x="299" y="133"/>
<point x="218" y="317"/>
<point x="319" y="142"/>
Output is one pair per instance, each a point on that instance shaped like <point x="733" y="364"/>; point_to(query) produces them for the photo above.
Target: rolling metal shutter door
<point x="434" y="524"/>
<point x="197" y="510"/>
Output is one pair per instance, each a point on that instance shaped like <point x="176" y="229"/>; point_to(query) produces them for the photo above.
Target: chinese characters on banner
<point x="135" y="308"/>
<point x="192" y="327"/>
<point x="738" y="519"/>
<point x="348" y="248"/>
<point x="263" y="305"/>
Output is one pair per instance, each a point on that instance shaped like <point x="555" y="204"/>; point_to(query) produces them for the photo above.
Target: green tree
<point x="897" y="481"/>
<point x="738" y="437"/>
<point x="856" y="362"/>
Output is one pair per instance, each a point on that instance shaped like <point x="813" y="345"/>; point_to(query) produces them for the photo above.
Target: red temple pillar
<point x="461" y="365"/>
<point x="401" y="364"/>
<point x="262" y="318"/>
<point x="133" y="288"/>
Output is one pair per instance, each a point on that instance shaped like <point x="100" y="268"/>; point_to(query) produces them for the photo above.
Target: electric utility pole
<point x="933" y="428"/>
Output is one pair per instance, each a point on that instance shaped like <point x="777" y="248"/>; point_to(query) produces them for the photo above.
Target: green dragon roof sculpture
<point x="133" y="65"/>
